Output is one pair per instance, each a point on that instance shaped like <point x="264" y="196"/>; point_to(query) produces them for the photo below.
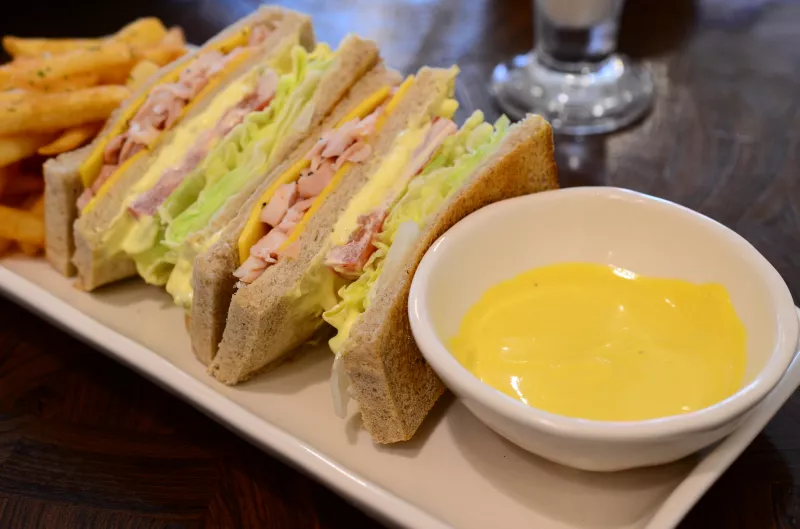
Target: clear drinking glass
<point x="573" y="77"/>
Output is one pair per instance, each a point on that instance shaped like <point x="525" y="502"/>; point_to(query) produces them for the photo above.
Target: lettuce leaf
<point x="245" y="153"/>
<point x="454" y="162"/>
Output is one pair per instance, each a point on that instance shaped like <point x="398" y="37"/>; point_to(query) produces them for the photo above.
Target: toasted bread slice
<point x="62" y="188"/>
<point x="213" y="270"/>
<point x="391" y="381"/>
<point x="283" y="307"/>
<point x="62" y="174"/>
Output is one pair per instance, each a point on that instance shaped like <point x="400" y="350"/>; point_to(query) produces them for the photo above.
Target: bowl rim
<point x="463" y="382"/>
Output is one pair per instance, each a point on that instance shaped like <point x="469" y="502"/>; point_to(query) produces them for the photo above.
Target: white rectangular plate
<point x="455" y="472"/>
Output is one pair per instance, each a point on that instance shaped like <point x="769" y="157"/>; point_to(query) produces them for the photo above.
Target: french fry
<point x="174" y="37"/>
<point x="21" y="47"/>
<point x="161" y="54"/>
<point x="35" y="205"/>
<point x="36" y="73"/>
<point x="16" y="147"/>
<point x="70" y="82"/>
<point x="54" y="112"/>
<point x="140" y="73"/>
<point x="37" y="208"/>
<point x="21" y="226"/>
<point x="142" y="32"/>
<point x="71" y="139"/>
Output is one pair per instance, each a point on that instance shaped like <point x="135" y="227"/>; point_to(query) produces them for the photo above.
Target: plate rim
<point x="277" y="442"/>
<point x="270" y="437"/>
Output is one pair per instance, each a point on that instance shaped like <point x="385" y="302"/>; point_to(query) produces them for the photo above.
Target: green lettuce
<point x="245" y="153"/>
<point x="445" y="174"/>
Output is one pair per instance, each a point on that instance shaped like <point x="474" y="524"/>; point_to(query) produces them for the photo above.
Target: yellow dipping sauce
<point x="598" y="342"/>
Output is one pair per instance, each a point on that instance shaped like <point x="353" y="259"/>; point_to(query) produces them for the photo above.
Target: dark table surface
<point x="85" y="442"/>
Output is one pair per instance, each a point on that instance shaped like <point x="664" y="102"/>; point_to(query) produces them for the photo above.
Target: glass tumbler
<point x="574" y="77"/>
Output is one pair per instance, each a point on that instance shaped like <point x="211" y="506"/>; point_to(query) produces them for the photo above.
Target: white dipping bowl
<point x="612" y="226"/>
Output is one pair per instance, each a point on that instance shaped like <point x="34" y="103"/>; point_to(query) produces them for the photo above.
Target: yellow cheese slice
<point x="94" y="162"/>
<point x="366" y="106"/>
<point x="111" y="179"/>
<point x="298" y="229"/>
<point x="254" y="230"/>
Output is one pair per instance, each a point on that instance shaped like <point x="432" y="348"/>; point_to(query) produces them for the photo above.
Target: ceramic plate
<point x="455" y="472"/>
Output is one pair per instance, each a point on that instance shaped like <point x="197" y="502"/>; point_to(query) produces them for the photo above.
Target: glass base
<point x="607" y="97"/>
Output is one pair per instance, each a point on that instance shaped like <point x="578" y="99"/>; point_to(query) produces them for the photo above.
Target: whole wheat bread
<point x="265" y="320"/>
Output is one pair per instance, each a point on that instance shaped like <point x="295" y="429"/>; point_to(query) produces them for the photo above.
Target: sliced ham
<point x="165" y="104"/>
<point x="268" y="245"/>
<point x="289" y="205"/>
<point x="311" y="184"/>
<point x="259" y="34"/>
<point x="148" y="202"/>
<point x="356" y="153"/>
<point x="251" y="269"/>
<point x="349" y="259"/>
<point x="284" y="198"/>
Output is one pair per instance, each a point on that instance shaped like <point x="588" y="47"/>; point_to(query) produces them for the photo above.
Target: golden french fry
<point x="20" y="47"/>
<point x="174" y="37"/>
<point x="37" y="208"/>
<point x="71" y="139"/>
<point x="16" y="147"/>
<point x="140" y="73"/>
<point x="22" y="226"/>
<point x="54" y="112"/>
<point x="35" y="205"/>
<point x="142" y="32"/>
<point x="70" y="82"/>
<point x="161" y="54"/>
<point x="42" y="71"/>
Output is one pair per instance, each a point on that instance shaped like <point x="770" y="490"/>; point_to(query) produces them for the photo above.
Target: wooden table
<point x="85" y="442"/>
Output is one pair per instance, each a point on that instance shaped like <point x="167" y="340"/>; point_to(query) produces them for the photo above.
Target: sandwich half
<point x="77" y="181"/>
<point x="352" y="263"/>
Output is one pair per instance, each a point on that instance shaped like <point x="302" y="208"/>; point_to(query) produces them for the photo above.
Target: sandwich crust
<point x="391" y="381"/>
<point x="62" y="188"/>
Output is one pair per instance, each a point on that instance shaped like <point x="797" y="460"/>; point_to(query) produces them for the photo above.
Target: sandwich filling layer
<point x="162" y="108"/>
<point x="383" y="236"/>
<point x="283" y="213"/>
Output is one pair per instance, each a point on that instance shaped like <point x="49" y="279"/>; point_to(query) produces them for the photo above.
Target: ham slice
<point x="284" y="211"/>
<point x="251" y="269"/>
<point x="267" y="247"/>
<point x="284" y="198"/>
<point x="164" y="106"/>
<point x="148" y="202"/>
<point x="311" y="184"/>
<point x="349" y="259"/>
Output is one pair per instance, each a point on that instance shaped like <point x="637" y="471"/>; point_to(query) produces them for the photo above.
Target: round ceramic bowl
<point x="609" y="226"/>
